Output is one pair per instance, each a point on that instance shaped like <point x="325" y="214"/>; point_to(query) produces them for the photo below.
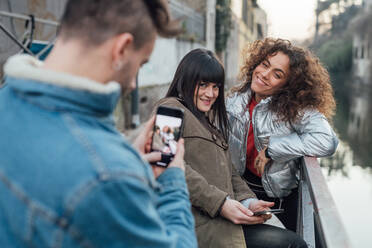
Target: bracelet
<point x="267" y="155"/>
<point x="220" y="208"/>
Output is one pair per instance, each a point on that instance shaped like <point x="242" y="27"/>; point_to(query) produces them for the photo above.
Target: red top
<point x="251" y="148"/>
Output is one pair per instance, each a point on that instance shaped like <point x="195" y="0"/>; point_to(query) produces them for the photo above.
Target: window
<point x="245" y="11"/>
<point x="259" y="31"/>
<point x="368" y="51"/>
<point x="356" y="52"/>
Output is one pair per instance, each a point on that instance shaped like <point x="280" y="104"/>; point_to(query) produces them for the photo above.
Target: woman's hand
<point x="238" y="214"/>
<point x="260" y="205"/>
<point x="261" y="161"/>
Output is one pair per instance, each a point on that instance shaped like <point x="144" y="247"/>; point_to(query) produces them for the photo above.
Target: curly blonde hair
<point x="308" y="85"/>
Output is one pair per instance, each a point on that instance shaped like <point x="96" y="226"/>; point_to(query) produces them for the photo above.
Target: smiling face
<point x="205" y="95"/>
<point x="270" y="75"/>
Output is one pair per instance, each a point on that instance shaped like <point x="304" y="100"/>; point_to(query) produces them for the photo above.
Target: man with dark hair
<point x="67" y="177"/>
<point x="100" y="20"/>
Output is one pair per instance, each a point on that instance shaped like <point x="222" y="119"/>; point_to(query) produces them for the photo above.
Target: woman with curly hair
<point x="278" y="115"/>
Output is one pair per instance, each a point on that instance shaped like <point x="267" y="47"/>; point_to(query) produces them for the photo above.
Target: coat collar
<point x="59" y="91"/>
<point x="27" y="67"/>
<point x="237" y="102"/>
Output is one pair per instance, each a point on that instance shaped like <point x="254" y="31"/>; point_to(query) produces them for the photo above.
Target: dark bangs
<point x="201" y="65"/>
<point x="212" y="72"/>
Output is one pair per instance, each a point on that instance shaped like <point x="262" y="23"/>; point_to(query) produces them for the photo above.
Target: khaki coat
<point x="211" y="177"/>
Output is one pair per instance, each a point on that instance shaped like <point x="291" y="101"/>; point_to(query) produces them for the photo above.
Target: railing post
<point x="328" y="225"/>
<point x="305" y="219"/>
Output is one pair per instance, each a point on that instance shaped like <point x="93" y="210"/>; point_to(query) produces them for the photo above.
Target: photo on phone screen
<point x="167" y="130"/>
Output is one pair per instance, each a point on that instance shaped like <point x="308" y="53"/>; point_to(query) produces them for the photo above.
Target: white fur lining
<point x="27" y="67"/>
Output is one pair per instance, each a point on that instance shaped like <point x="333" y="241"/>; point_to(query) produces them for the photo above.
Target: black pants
<point x="267" y="236"/>
<point x="289" y="204"/>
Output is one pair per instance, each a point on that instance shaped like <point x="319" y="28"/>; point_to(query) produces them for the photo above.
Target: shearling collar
<point x="57" y="91"/>
<point x="29" y="68"/>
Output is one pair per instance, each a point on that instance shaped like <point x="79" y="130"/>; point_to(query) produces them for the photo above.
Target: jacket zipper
<point x="256" y="141"/>
<point x="260" y="147"/>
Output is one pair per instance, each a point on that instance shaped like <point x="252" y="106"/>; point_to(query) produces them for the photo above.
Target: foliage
<point x="334" y="47"/>
<point x="223" y="24"/>
<point x="340" y="22"/>
<point x="336" y="54"/>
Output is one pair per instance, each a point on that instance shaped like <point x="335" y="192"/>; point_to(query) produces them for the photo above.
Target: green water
<point x="349" y="171"/>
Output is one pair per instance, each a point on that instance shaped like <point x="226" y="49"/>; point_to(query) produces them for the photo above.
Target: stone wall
<point x="148" y="97"/>
<point x="232" y="54"/>
<point x="198" y="5"/>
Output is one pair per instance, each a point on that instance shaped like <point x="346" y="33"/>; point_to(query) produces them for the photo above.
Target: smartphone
<point x="167" y="131"/>
<point x="270" y="211"/>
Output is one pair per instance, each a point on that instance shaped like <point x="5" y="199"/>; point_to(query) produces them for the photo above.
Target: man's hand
<point x="143" y="142"/>
<point x="261" y="161"/>
<point x="176" y="162"/>
<point x="260" y="205"/>
<point x="238" y="214"/>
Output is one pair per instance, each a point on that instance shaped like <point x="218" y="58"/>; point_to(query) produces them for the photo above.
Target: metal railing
<point x="26" y="46"/>
<point x="319" y="222"/>
<point x="25" y="18"/>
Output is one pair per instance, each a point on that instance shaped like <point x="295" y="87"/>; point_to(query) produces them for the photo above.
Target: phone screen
<point x="167" y="131"/>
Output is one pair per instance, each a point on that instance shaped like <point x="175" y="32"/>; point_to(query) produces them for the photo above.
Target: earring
<point x="117" y="66"/>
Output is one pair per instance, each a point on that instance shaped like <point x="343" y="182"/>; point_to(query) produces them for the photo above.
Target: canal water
<point x="349" y="171"/>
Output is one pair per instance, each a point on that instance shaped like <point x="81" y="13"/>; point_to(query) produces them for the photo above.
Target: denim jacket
<point x="69" y="179"/>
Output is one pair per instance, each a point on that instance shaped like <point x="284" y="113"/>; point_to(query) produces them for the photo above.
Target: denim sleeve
<point x="174" y="207"/>
<point x="129" y="213"/>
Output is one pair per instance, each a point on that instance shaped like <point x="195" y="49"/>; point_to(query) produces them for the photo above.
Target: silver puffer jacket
<point x="310" y="136"/>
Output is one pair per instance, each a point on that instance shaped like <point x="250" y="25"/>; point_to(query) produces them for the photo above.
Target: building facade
<point x="198" y="20"/>
<point x="249" y="24"/>
<point x="361" y="95"/>
<point x="362" y="44"/>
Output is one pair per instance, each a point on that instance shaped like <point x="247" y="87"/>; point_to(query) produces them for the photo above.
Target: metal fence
<point x="319" y="222"/>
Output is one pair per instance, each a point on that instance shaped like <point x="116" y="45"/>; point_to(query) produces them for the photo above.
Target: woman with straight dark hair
<point x="222" y="203"/>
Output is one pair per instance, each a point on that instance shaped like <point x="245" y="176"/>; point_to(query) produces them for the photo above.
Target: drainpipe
<point x="210" y="35"/>
<point x="135" y="106"/>
<point x="317" y="12"/>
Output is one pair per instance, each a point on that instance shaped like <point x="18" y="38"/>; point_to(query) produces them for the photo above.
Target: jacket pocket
<point x="280" y="178"/>
<point x="200" y="218"/>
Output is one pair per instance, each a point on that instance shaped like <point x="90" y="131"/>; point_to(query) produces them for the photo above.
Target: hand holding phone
<point x="270" y="211"/>
<point x="177" y="161"/>
<point x="142" y="142"/>
<point x="167" y="131"/>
